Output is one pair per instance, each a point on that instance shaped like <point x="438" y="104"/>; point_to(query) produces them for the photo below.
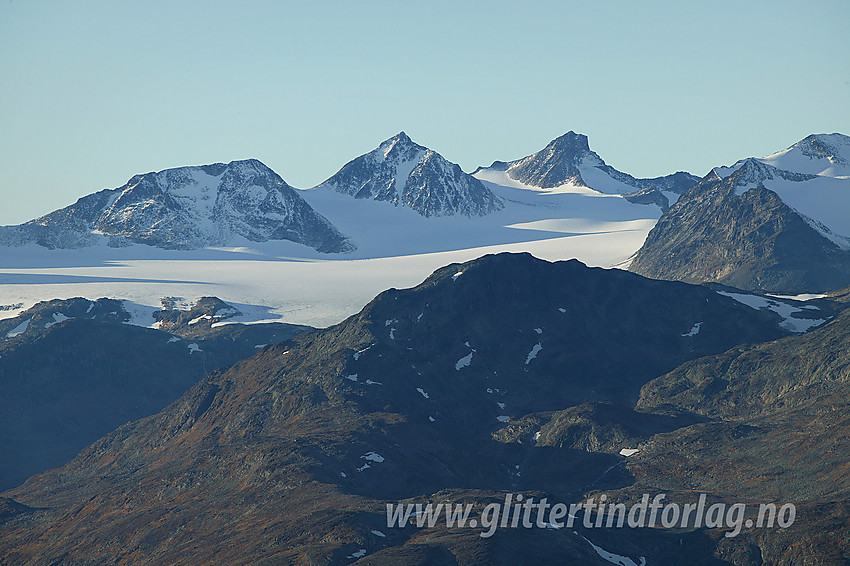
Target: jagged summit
<point x="825" y="155"/>
<point x="751" y="171"/>
<point x="186" y="208"/>
<point x="568" y="159"/>
<point x="405" y="173"/>
<point x="557" y="163"/>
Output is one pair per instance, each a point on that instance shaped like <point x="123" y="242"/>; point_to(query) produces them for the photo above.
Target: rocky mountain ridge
<point x="435" y="393"/>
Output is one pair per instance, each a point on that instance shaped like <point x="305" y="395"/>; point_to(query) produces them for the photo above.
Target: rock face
<point x="186" y="208"/>
<point x="569" y="159"/>
<point x="433" y="393"/>
<point x="732" y="229"/>
<point x="407" y="174"/>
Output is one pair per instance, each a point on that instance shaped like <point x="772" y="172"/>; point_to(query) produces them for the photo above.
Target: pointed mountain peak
<point x="401" y="137"/>
<point x="557" y="163"/>
<point x="400" y="146"/>
<point x="570" y="142"/>
<point x="568" y="159"/>
<point x="405" y="173"/>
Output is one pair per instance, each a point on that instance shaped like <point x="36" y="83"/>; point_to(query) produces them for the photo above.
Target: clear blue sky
<point x="93" y="92"/>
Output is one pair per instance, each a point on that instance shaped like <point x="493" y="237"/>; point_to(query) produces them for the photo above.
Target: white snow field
<point x="288" y="282"/>
<point x="824" y="200"/>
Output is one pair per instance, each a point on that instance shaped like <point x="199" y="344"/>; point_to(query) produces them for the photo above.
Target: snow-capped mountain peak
<point x="405" y="173"/>
<point x="399" y="144"/>
<point x="186" y="208"/>
<point x="818" y="154"/>
<point x="568" y="160"/>
<point x="557" y="163"/>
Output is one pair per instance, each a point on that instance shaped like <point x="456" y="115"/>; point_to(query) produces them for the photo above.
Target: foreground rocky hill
<point x="506" y="374"/>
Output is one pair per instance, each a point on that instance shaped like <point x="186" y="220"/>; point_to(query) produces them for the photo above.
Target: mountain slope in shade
<point x="73" y="370"/>
<point x="291" y="456"/>
<point x="186" y="208"/>
<point x="760" y="227"/>
<point x="407" y="174"/>
<point x="569" y="160"/>
<point x="776" y="425"/>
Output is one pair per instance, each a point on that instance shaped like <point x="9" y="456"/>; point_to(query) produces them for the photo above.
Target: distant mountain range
<point x="200" y="440"/>
<point x="504" y="374"/>
<point x="778" y="224"/>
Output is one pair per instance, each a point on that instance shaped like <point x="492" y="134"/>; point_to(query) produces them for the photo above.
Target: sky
<point x="94" y="92"/>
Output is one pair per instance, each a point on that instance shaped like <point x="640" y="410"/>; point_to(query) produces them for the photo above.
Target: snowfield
<point x="288" y="282"/>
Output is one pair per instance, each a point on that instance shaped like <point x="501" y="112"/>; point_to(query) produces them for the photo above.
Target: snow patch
<point x="801" y="297"/>
<point x="359" y="353"/>
<point x="373" y="457"/>
<point x="533" y="353"/>
<point x="614" y="558"/>
<point x="785" y="310"/>
<point x="464" y="361"/>
<point x="193" y="347"/>
<point x="503" y="418"/>
<point x="57" y="318"/>
<point x="629" y="452"/>
<point x="694" y="330"/>
<point x="352" y="377"/>
<point x="19" y="329"/>
<point x="422" y="391"/>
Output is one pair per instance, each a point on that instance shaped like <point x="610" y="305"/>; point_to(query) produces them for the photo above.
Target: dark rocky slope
<point x="432" y="393"/>
<point x="78" y="372"/>
<point x="751" y="240"/>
